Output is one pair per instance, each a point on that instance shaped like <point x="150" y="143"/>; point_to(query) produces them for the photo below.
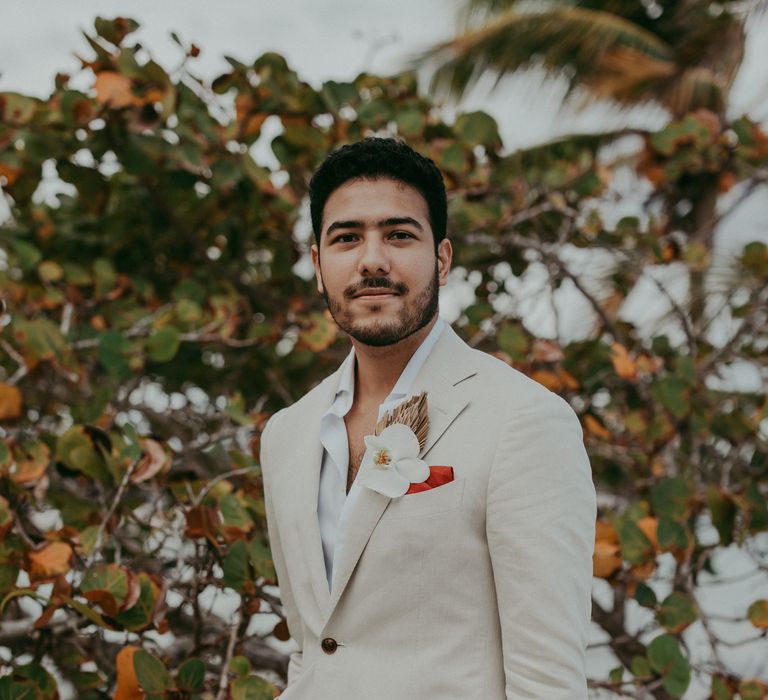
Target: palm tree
<point x="682" y="55"/>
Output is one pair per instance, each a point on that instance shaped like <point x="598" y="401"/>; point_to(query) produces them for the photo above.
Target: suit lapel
<point x="448" y="364"/>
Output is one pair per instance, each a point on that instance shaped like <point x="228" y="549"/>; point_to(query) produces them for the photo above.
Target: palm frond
<point x="587" y="42"/>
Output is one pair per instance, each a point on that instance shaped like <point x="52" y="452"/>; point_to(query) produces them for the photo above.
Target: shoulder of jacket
<point x="286" y="416"/>
<point x="520" y="392"/>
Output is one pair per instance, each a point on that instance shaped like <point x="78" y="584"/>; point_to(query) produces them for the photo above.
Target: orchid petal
<point x="400" y="440"/>
<point x="386" y="482"/>
<point x="415" y="470"/>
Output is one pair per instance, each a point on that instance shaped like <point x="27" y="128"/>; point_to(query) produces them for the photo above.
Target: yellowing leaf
<point x="127" y="684"/>
<point x="10" y="401"/>
<point x="114" y="90"/>
<point x="758" y="614"/>
<point x="50" y="560"/>
<point x="595" y="427"/>
<point x="623" y="364"/>
<point x="320" y="333"/>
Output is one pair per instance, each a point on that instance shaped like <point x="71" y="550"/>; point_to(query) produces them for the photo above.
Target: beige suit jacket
<point x="475" y="590"/>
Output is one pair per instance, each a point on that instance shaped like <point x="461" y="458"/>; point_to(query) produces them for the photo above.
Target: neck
<point x="378" y="368"/>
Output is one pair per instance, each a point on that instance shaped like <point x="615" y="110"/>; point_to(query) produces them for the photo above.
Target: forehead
<point x="374" y="200"/>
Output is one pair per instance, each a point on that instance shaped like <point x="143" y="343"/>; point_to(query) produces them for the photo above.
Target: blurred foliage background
<point x="156" y="312"/>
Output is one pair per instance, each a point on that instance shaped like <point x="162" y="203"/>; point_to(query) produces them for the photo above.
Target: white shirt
<point x="333" y="502"/>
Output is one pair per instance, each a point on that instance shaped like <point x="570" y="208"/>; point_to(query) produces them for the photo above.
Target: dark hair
<point x="373" y="159"/>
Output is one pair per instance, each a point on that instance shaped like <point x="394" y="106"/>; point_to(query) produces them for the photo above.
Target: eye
<point x="401" y="235"/>
<point x="345" y="238"/>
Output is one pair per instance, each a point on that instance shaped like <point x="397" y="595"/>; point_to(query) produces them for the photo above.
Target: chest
<point x="359" y="423"/>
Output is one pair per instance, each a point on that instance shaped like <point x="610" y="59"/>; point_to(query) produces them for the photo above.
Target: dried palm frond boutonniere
<point x="411" y="413"/>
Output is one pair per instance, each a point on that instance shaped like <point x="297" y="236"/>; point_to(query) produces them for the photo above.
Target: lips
<point x="375" y="293"/>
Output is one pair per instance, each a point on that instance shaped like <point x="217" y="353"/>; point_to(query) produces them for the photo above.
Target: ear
<point x="315" y="254"/>
<point x="444" y="258"/>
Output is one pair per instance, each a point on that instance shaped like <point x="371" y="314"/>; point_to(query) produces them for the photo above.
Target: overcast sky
<point x="321" y="40"/>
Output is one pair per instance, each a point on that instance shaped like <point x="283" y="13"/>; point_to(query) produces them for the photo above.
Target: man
<point x="470" y="587"/>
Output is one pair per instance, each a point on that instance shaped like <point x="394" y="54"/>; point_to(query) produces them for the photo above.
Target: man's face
<point x="376" y="264"/>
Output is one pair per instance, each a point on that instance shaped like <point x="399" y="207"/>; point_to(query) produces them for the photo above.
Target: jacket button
<point x="329" y="645"/>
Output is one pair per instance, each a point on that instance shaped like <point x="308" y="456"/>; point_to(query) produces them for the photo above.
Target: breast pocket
<point x="430" y="502"/>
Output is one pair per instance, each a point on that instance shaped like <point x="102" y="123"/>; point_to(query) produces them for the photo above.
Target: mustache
<point x="376" y="283"/>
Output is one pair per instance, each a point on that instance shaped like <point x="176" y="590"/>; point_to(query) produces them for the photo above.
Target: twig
<point x="223" y="679"/>
<point x="108" y="515"/>
<point x="235" y="472"/>
<point x="22" y="370"/>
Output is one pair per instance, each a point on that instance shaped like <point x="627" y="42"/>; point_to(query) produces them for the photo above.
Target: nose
<point x="373" y="261"/>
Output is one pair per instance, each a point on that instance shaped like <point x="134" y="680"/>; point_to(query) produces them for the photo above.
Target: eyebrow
<point x="392" y="221"/>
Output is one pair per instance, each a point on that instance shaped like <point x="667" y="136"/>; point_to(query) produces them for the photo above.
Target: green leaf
<point x="113" y="352"/>
<point x="513" y="340"/>
<point x="723" y="510"/>
<point x="235" y="566"/>
<point x="240" y="666"/>
<point x="670" y="498"/>
<point x="76" y="450"/>
<point x="261" y="559"/>
<point x="43" y="681"/>
<point x="677" y="611"/>
<point x="15" y="690"/>
<point x="671" y="535"/>
<point x="640" y="667"/>
<point x="191" y="675"/>
<point x="752" y="690"/>
<point x="410" y="122"/>
<point x="720" y="689"/>
<point x="233" y="514"/>
<point x="667" y="660"/>
<point x="252" y="688"/>
<point x="163" y="345"/>
<point x="672" y="393"/>
<point x="454" y="159"/>
<point x="478" y="128"/>
<point x="645" y="596"/>
<point x="140" y="615"/>
<point x="636" y="548"/>
<point x="107" y="586"/>
<point x="152" y="675"/>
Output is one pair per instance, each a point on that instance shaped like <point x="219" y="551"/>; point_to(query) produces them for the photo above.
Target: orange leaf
<point x="114" y="90"/>
<point x="50" y="560"/>
<point x="547" y="379"/>
<point x="128" y="687"/>
<point x="623" y="364"/>
<point x="30" y="467"/>
<point x="9" y="173"/>
<point x="595" y="427"/>
<point x="606" y="559"/>
<point x="649" y="526"/>
<point x="568" y="380"/>
<point x="10" y="401"/>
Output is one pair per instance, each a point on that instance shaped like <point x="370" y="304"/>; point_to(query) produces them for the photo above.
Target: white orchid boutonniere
<point x="391" y="463"/>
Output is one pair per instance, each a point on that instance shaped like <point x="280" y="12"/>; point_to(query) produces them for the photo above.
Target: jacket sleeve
<point x="278" y="558"/>
<point x="540" y="524"/>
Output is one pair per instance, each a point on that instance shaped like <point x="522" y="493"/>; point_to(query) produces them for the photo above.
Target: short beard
<point x="410" y="319"/>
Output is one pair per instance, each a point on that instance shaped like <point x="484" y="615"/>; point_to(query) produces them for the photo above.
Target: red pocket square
<point x="437" y="477"/>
